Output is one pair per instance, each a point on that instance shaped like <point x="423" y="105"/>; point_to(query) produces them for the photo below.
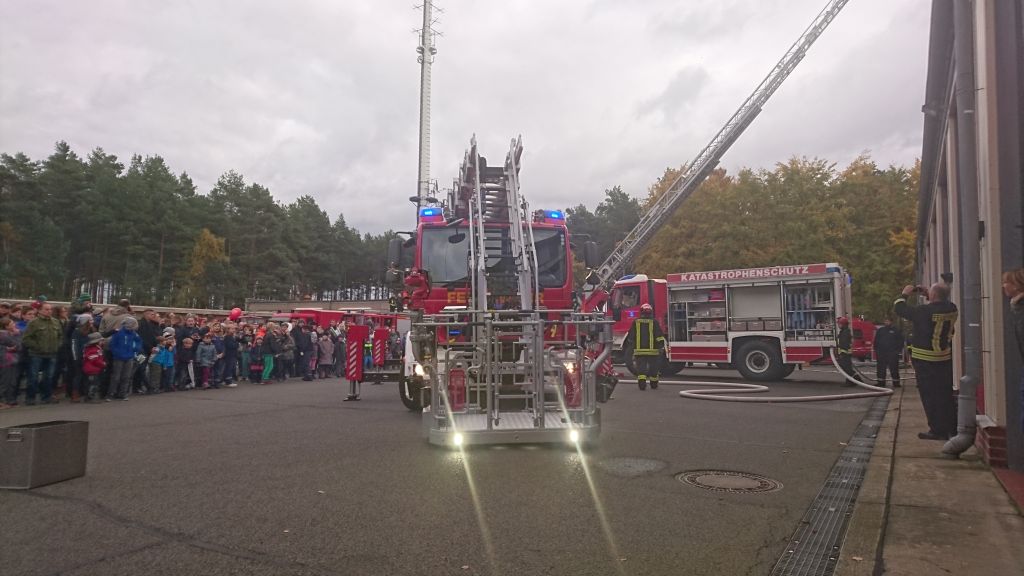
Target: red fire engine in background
<point x="761" y="321"/>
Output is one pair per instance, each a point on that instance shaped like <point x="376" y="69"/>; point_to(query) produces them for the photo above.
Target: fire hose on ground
<point x="725" y="391"/>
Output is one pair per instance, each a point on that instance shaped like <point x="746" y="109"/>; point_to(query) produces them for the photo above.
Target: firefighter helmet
<point x="843" y="321"/>
<point x="646" y="310"/>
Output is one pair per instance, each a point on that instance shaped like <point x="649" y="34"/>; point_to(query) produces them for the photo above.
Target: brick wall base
<point x="991" y="442"/>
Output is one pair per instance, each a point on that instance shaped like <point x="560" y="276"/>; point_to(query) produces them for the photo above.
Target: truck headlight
<point x="418" y="370"/>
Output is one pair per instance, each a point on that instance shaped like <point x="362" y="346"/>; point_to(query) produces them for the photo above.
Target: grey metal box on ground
<point x="42" y="453"/>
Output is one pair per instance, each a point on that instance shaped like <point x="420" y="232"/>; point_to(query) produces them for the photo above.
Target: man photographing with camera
<point x="931" y="353"/>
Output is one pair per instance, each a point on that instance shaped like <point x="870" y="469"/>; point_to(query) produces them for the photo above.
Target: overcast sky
<point x="320" y="97"/>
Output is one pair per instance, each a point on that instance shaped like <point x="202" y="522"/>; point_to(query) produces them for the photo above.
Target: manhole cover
<point x="630" y="467"/>
<point x="728" y="481"/>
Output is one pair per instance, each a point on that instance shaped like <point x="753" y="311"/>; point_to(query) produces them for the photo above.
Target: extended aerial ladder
<point x="602" y="277"/>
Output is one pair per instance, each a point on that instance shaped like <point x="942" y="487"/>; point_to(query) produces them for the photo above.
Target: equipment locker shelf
<point x="810" y="311"/>
<point x="699" y="315"/>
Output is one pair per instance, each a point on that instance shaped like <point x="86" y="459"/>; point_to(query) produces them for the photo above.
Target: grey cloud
<point x="674" y="101"/>
<point x="320" y="97"/>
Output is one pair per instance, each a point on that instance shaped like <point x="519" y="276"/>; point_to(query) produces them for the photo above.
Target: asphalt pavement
<point x="288" y="479"/>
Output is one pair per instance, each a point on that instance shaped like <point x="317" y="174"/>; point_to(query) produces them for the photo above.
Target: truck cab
<point x="628" y="294"/>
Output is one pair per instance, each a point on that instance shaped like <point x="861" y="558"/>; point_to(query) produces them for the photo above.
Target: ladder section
<point x="698" y="170"/>
<point x="503" y="262"/>
<point x="520" y="232"/>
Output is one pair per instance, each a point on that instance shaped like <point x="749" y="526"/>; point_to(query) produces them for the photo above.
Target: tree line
<point x="70" y="225"/>
<point x="800" y="212"/>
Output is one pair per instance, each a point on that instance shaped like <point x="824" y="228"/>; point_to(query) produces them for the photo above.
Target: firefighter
<point x="646" y="341"/>
<point x="888" y="349"/>
<point x="844" y="349"/>
<point x="394" y="278"/>
<point x="931" y="353"/>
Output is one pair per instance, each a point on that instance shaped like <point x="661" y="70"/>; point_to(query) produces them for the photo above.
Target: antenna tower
<point x="426" y="51"/>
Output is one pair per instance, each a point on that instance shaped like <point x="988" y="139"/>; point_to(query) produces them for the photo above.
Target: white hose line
<point x="906" y="374"/>
<point x="742" y="387"/>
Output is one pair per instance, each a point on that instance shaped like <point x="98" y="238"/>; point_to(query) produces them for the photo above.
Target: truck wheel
<point x="409" y="390"/>
<point x="627" y="360"/>
<point x="605" y="388"/>
<point x="759" y="361"/>
<point x="787" y="369"/>
<point x="669" y="368"/>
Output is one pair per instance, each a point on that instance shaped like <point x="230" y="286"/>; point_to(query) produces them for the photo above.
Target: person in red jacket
<point x="93" y="364"/>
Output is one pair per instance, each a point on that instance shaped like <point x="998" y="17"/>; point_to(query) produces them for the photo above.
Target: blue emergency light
<point x="554" y="214"/>
<point x="430" y="212"/>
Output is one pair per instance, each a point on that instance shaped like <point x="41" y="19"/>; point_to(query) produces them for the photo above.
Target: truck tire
<point x="409" y="390"/>
<point x="788" y="369"/>
<point x="669" y="368"/>
<point x="759" y="361"/>
<point x="627" y="360"/>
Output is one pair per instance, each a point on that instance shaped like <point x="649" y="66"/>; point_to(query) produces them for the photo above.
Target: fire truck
<point x="497" y="352"/>
<point x="761" y="321"/>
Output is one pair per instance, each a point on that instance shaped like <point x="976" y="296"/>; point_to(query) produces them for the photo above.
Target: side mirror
<point x="590" y="255"/>
<point x="394" y="250"/>
<point x="456" y="238"/>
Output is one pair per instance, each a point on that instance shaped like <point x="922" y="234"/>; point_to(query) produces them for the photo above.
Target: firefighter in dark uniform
<point x="888" y="349"/>
<point x="931" y="353"/>
<point x="646" y="341"/>
<point x="844" y="351"/>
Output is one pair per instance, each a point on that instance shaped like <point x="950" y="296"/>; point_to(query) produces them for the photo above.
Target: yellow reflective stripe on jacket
<point x="941" y="321"/>
<point x="844" y="350"/>
<point x="930" y="355"/>
<point x="653" y="348"/>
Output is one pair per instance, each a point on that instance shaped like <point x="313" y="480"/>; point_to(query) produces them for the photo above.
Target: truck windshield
<point x="445" y="255"/>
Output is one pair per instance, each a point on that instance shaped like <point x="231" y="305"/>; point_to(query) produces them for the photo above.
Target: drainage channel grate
<point x="814" y="548"/>
<point x="729" y="481"/>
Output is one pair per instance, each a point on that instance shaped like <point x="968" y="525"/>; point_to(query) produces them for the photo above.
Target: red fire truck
<point x="496" y="352"/>
<point x="761" y="321"/>
<point x="447" y="250"/>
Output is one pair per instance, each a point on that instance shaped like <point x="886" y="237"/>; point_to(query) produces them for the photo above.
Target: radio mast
<point x="426" y="53"/>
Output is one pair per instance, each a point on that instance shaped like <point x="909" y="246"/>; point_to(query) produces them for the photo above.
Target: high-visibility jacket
<point x="645" y="338"/>
<point x="934" y="326"/>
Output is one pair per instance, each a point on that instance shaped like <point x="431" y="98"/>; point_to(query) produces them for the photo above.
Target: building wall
<point x="998" y="42"/>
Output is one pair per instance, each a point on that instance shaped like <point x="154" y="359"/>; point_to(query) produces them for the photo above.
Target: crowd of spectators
<point x="91" y="354"/>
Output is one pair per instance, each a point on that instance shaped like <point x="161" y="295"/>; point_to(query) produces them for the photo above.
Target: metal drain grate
<point x="729" y="481"/>
<point x="814" y="548"/>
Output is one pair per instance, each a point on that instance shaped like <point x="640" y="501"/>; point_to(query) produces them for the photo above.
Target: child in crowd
<point x="206" y="359"/>
<point x="326" y="355"/>
<point x="170" y="332"/>
<point x="245" y="347"/>
<point x="217" y="330"/>
<point x="77" y="382"/>
<point x="125" y="345"/>
<point x="161" y="365"/>
<point x="93" y="364"/>
<point x="269" y="350"/>
<point x="230" y="359"/>
<point x="10" y="346"/>
<point x="256" y="361"/>
<point x="186" y="365"/>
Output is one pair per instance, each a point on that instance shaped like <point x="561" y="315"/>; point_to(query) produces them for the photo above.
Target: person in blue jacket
<point x="124" y="345"/>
